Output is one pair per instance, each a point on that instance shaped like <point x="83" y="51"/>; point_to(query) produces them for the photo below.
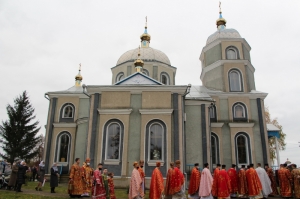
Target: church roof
<point x="223" y="33"/>
<point x="147" y="54"/>
<point x="138" y="79"/>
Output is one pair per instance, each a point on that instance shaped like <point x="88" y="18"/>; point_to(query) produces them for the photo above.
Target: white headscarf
<point x="42" y="164"/>
<point x="54" y="167"/>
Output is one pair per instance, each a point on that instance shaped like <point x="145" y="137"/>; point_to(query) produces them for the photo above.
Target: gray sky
<point x="42" y="43"/>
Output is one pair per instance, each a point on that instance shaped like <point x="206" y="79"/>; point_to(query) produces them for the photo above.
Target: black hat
<point x="251" y="165"/>
<point x="233" y="165"/>
<point x="218" y="165"/>
<point x="223" y="165"/>
<point x="243" y="166"/>
<point x="196" y="164"/>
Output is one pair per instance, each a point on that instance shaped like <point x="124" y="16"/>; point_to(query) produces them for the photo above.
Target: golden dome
<point x="221" y="21"/>
<point x="145" y="36"/>
<point x="78" y="77"/>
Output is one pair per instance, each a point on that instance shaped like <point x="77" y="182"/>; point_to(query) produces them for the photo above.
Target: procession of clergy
<point x="245" y="183"/>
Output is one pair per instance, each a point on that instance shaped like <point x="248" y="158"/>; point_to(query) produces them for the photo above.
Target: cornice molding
<point x="156" y="111"/>
<point x="64" y="125"/>
<point x="217" y="124"/>
<point x="114" y="111"/>
<point x="241" y="125"/>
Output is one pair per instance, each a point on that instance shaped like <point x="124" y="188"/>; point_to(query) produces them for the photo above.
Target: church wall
<point x="223" y="110"/>
<point x="162" y="68"/>
<point x="193" y="135"/>
<point x="214" y="79"/>
<point x="212" y="55"/>
<point x="80" y="142"/>
<point x="113" y="99"/>
<point x="256" y="131"/>
<point x="250" y="79"/>
<point x="156" y="100"/>
<point x="241" y="68"/>
<point x="218" y="132"/>
<point x="83" y="108"/>
<point x="246" y="53"/>
<point x="134" y="138"/>
<point x="63" y="100"/>
<point x="236" y="44"/>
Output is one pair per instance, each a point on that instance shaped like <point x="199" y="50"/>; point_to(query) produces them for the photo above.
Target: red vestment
<point x="111" y="187"/>
<point x="285" y="179"/>
<point x="168" y="190"/>
<point x="273" y="182"/>
<point x="223" y="184"/>
<point x="233" y="180"/>
<point x="98" y="190"/>
<point x="156" y="185"/>
<point x="175" y="182"/>
<point x="296" y="182"/>
<point x="214" y="190"/>
<point x="242" y="182"/>
<point x="253" y="182"/>
<point x="88" y="178"/>
<point x="142" y="174"/>
<point x="76" y="175"/>
<point x="194" y="181"/>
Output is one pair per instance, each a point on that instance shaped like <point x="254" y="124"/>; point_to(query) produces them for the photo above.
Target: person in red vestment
<point x="194" y="182"/>
<point x="273" y="181"/>
<point x="242" y="183"/>
<point x="157" y="183"/>
<point x="233" y="180"/>
<point x="222" y="188"/>
<point x="215" y="176"/>
<point x="111" y="185"/>
<point x="142" y="173"/>
<point x="285" y="179"/>
<point x="253" y="183"/>
<point x="76" y="180"/>
<point x="170" y="174"/>
<point x="135" y="188"/>
<point x="177" y="182"/>
<point x="98" y="190"/>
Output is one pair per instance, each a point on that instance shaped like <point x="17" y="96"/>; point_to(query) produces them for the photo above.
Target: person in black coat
<point x="21" y="175"/>
<point x="54" y="177"/>
<point x="34" y="173"/>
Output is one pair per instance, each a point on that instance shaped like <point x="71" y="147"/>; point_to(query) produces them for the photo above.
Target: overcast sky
<point x="42" y="43"/>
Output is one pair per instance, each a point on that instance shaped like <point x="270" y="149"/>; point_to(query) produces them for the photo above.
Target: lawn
<point x="61" y="192"/>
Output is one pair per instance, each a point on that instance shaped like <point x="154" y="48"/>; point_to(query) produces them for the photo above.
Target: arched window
<point x="145" y="72"/>
<point x="213" y="113"/>
<point x="235" y="80"/>
<point x="67" y="113"/>
<point x="156" y="140"/>
<point x="215" y="148"/>
<point x="242" y="147"/>
<point x="239" y="111"/>
<point x="164" y="78"/>
<point x="120" y="76"/>
<point x="232" y="53"/>
<point x="113" y="141"/>
<point x="63" y="147"/>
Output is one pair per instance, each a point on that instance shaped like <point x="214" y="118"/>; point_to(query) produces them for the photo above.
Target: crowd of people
<point x="244" y="183"/>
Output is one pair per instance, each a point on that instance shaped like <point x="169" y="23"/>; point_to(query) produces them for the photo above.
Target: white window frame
<point x="119" y="75"/>
<point x="240" y="80"/>
<point x="215" y="136"/>
<point x="244" y="111"/>
<point x="145" y="72"/>
<point x="212" y="111"/>
<point x="58" y="148"/>
<point x="64" y="109"/>
<point x="106" y="143"/>
<point x="237" y="150"/>
<point x="162" y="146"/>
<point x="167" y="78"/>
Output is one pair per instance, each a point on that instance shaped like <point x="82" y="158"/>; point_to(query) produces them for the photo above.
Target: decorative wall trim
<point x="114" y="111"/>
<point x="217" y="124"/>
<point x="241" y="125"/>
<point x="65" y="125"/>
<point x="156" y="111"/>
<point x="111" y="162"/>
<point x="153" y="163"/>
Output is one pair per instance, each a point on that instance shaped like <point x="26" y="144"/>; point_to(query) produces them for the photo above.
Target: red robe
<point x="253" y="182"/>
<point x="98" y="190"/>
<point x="242" y="182"/>
<point x="176" y="181"/>
<point x="168" y="190"/>
<point x="194" y="181"/>
<point x="285" y="179"/>
<point x="214" y="190"/>
<point x="223" y="184"/>
<point x="76" y="175"/>
<point x="156" y="185"/>
<point x="273" y="182"/>
<point x="233" y="180"/>
<point x="142" y="173"/>
<point x="111" y="188"/>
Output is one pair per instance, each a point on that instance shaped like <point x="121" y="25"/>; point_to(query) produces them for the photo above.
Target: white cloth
<point x="205" y="183"/>
<point x="265" y="181"/>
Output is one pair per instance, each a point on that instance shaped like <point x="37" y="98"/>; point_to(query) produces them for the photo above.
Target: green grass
<point x="61" y="192"/>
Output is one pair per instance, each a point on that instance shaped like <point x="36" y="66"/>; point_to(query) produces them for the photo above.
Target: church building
<point x="144" y="115"/>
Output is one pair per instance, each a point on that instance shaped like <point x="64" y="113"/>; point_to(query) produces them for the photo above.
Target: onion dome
<point x="145" y="36"/>
<point x="78" y="77"/>
<point x="138" y="63"/>
<point x="221" y="22"/>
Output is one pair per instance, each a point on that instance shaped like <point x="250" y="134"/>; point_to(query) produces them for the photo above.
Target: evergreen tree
<point x="19" y="132"/>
